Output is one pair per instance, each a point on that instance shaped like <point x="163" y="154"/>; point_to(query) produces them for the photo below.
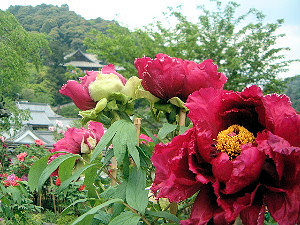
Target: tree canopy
<point x="245" y="53"/>
<point x="18" y="47"/>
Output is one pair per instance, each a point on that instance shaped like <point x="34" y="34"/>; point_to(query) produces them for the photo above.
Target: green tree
<point x="244" y="52"/>
<point x="18" y="47"/>
<point x="122" y="46"/>
<point x="293" y="90"/>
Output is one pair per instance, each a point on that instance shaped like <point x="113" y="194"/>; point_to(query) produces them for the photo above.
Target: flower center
<point x="231" y="140"/>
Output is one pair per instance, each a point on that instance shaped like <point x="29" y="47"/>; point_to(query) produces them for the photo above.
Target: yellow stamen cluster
<point x="231" y="140"/>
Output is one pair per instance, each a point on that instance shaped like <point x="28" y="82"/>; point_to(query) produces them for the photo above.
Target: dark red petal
<point x="253" y="215"/>
<point x="234" y="204"/>
<point x="285" y="206"/>
<point x="96" y="130"/>
<point x="89" y="78"/>
<point x="141" y="64"/>
<point x="173" y="178"/>
<point x="286" y="158"/>
<point x="205" y="209"/>
<point x="278" y="110"/>
<point x="202" y="75"/>
<point x="205" y="106"/>
<point x="79" y="94"/>
<point x="164" y="77"/>
<point x="246" y="169"/>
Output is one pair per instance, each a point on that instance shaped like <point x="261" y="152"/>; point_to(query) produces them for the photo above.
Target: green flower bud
<point x="104" y="85"/>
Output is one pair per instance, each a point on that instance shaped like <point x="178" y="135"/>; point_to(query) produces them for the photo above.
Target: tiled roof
<point x="82" y="64"/>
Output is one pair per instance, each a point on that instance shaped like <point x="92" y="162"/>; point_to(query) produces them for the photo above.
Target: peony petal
<point x="283" y="119"/>
<point x="253" y="215"/>
<point x="79" y="94"/>
<point x="173" y="178"/>
<point x="245" y="169"/>
<point x="285" y="206"/>
<point x="202" y="75"/>
<point x="96" y="130"/>
<point x="286" y="159"/>
<point x="205" y="209"/>
<point x="112" y="69"/>
<point x="204" y="106"/>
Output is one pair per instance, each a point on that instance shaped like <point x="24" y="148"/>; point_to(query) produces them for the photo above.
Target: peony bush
<point x="218" y="156"/>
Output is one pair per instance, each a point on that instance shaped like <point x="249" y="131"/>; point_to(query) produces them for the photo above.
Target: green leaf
<point x="52" y="167"/>
<point x="178" y="102"/>
<point x="74" y="203"/>
<point x="136" y="195"/>
<point x="164" y="214"/>
<point x="126" y="218"/>
<point x="15" y="193"/>
<point x="36" y="170"/>
<point x="107" y="137"/>
<point x="75" y="176"/>
<point x="183" y="129"/>
<point x="93" y="211"/>
<point x="89" y="181"/>
<point x="166" y="129"/>
<point x="131" y="142"/>
<point x="66" y="168"/>
<point x="119" y="143"/>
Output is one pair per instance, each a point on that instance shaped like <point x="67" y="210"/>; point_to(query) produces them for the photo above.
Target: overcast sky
<point x="138" y="13"/>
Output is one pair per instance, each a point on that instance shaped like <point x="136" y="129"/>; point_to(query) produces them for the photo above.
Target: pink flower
<point x="79" y="92"/>
<point x="39" y="142"/>
<point x="3" y="175"/>
<point x="2" y="138"/>
<point x="82" y="187"/>
<point x="12" y="180"/>
<point x="167" y="77"/>
<point x="51" y="128"/>
<point x="58" y="182"/>
<point x="145" y="139"/>
<point x="243" y="155"/>
<point x="22" y="156"/>
<point x="79" y="140"/>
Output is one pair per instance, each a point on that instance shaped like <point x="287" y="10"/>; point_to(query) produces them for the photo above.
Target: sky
<point x="139" y="13"/>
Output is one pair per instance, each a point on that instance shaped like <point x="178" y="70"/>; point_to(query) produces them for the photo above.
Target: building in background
<point x="41" y="125"/>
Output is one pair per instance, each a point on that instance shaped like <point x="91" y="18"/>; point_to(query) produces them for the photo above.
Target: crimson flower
<point x="58" y="182"/>
<point x="243" y="155"/>
<point x="22" y="156"/>
<point x="78" y="141"/>
<point x="82" y="187"/>
<point x="40" y="142"/>
<point x="12" y="180"/>
<point x="167" y="77"/>
<point x="79" y="91"/>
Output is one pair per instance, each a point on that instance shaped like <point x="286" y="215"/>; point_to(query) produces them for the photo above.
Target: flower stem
<point x="181" y="122"/>
<point x="136" y="212"/>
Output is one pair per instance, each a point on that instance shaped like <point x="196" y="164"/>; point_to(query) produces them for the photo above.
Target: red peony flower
<point x="79" y="140"/>
<point x="167" y="77"/>
<point x="82" y="187"/>
<point x="22" y="156"/>
<point x="79" y="92"/>
<point x="40" y="142"/>
<point x="58" y="182"/>
<point x="12" y="180"/>
<point x="243" y="154"/>
<point x="145" y="139"/>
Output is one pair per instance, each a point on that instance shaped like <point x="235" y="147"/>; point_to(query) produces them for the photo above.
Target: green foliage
<point x="18" y="47"/>
<point x="61" y="24"/>
<point x="13" y="123"/>
<point x="293" y="90"/>
<point x="122" y="46"/>
<point x="245" y="53"/>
